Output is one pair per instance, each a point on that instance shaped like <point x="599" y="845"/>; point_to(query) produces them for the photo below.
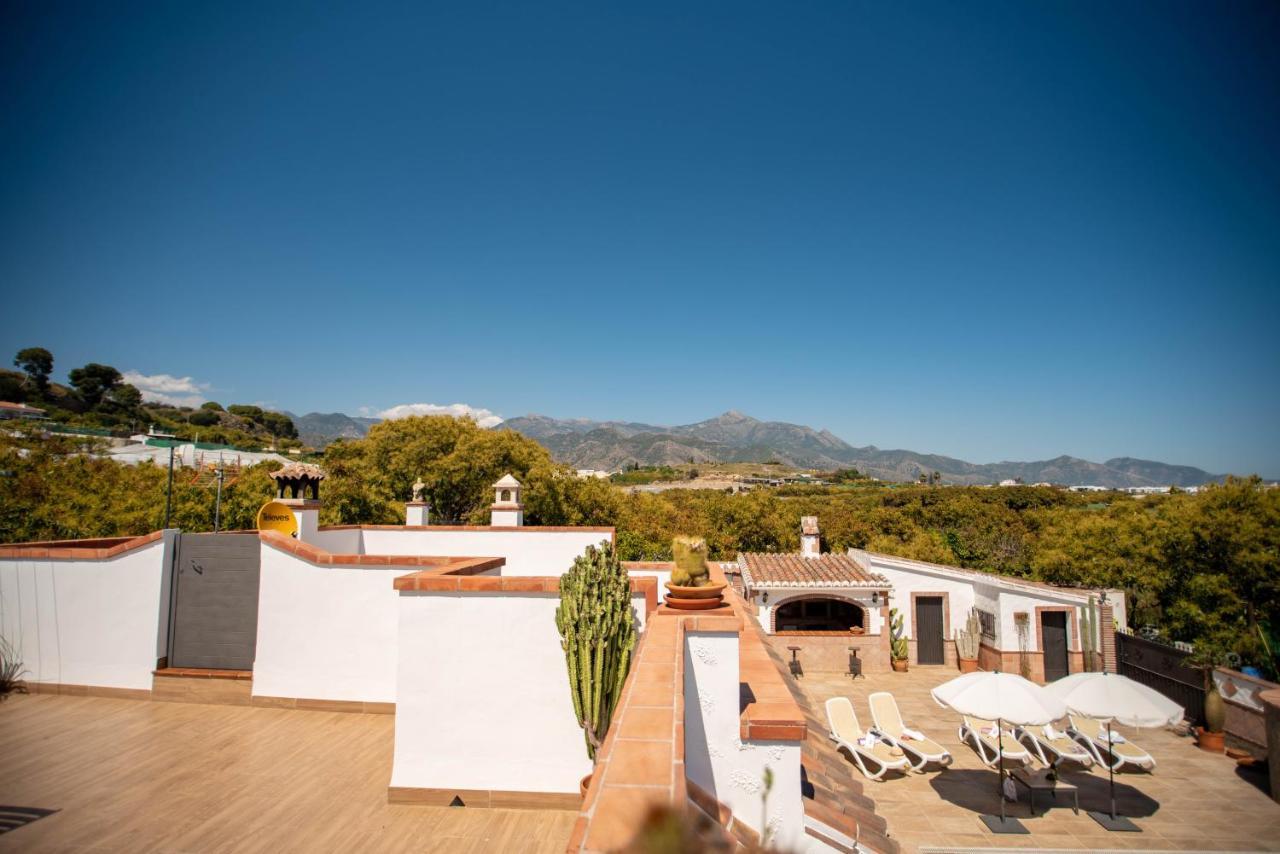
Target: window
<point x="987" y="622"/>
<point x="818" y="615"/>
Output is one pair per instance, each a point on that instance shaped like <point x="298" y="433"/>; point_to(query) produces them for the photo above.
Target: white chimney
<point x="507" y="511"/>
<point x="810" y="539"/>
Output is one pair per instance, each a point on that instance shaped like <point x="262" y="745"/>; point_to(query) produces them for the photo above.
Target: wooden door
<point x="1053" y="632"/>
<point x="929" y="648"/>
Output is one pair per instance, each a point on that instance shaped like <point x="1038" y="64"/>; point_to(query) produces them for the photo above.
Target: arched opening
<point x="818" y="615"/>
<point x="506" y="495"/>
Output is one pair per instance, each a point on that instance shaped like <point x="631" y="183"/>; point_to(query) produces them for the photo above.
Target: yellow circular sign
<point x="275" y="516"/>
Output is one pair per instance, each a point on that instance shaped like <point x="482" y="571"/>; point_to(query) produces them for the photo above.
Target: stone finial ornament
<point x="418" y="487"/>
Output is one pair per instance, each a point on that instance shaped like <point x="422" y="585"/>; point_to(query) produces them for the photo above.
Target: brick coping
<point x="101" y="548"/>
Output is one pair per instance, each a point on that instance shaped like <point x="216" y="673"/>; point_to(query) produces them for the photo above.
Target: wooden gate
<point x="215" y="601"/>
<point x="1163" y="668"/>
<point x="1053" y="633"/>
<point x="929" y="649"/>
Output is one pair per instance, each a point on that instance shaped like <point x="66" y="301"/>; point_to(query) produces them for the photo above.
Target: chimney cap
<point x="809" y="525"/>
<point x="299" y="471"/>
<point x="507" y="482"/>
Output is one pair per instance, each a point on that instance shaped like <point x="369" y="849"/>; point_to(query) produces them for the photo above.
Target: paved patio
<point x="133" y="775"/>
<point x="1192" y="801"/>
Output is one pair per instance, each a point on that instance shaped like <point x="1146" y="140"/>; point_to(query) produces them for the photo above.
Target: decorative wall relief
<point x="745" y="782"/>
<point x="702" y="652"/>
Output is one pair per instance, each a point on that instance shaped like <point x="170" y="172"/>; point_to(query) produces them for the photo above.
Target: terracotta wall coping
<point x="460" y="579"/>
<point x="1270" y="698"/>
<point x="501" y="529"/>
<point x="320" y="557"/>
<point x="771" y="711"/>
<point x="102" y="548"/>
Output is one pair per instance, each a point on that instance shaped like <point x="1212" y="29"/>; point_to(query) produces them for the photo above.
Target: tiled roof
<point x="792" y="570"/>
<point x="299" y="470"/>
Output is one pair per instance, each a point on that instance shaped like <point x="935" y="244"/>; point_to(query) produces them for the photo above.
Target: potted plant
<point x="691" y="587"/>
<point x="967" y="640"/>
<point x="898" y="648"/>
<point x="1212" y="736"/>
<point x="597" y="634"/>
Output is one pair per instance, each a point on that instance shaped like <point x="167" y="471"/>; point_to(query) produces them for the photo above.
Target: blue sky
<point x="990" y="230"/>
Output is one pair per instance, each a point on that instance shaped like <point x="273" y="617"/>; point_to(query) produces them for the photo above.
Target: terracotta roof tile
<point x="792" y="570"/>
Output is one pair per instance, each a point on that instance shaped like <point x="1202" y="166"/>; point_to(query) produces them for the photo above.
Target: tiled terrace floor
<point x="1192" y="801"/>
<point x="132" y="775"/>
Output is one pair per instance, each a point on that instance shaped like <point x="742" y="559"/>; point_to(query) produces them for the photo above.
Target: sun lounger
<point x="889" y="726"/>
<point x="1091" y="734"/>
<point x="981" y="736"/>
<point x="874" y="759"/>
<point x="1050" y="744"/>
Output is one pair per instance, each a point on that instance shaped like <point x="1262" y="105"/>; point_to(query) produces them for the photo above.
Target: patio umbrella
<point x="1003" y="698"/>
<point x="1112" y="697"/>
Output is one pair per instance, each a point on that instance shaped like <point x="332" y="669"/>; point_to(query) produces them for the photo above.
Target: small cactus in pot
<point x="899" y="650"/>
<point x="691" y="587"/>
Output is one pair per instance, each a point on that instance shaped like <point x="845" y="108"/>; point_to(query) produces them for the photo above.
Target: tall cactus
<point x="597" y="634"/>
<point x="898" y="646"/>
<point x="1088" y="633"/>
<point x="969" y="638"/>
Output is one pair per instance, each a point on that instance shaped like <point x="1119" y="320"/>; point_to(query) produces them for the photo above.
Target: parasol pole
<point x="1111" y="769"/>
<point x="1000" y="765"/>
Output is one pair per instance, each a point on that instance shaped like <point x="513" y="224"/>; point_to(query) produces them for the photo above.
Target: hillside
<point x="317" y="429"/>
<point x="734" y="437"/>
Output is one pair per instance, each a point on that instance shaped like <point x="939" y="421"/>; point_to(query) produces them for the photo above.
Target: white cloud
<point x="163" y="388"/>
<point x="483" y="417"/>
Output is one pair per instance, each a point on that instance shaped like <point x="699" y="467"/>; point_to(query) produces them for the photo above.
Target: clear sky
<point x="990" y="230"/>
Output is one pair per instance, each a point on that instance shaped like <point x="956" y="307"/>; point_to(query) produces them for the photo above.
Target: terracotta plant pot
<point x="1213" y="742"/>
<point x="899" y="665"/>
<point x="695" y="598"/>
<point x="968" y="665"/>
<point x="585" y="784"/>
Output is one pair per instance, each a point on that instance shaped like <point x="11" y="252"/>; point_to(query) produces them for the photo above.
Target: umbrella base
<point x="1118" y="823"/>
<point x="1000" y="824"/>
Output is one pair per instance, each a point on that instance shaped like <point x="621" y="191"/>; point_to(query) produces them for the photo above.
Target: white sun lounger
<point x="1091" y="734"/>
<point x="1060" y="748"/>
<point x="889" y="726"/>
<point x="873" y="761"/>
<point x="976" y="733"/>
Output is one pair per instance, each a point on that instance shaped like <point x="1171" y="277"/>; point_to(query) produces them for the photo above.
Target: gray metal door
<point x="215" y="613"/>
<point x="1053" y="628"/>
<point x="929" y="630"/>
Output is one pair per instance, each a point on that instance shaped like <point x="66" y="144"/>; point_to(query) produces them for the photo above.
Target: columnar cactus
<point x="968" y="638"/>
<point x="597" y="634"/>
<point x="690" y="554"/>
<point x="1088" y="633"/>
<point x="897" y="640"/>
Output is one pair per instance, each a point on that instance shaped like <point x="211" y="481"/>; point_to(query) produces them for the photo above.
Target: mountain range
<point x="735" y="437"/>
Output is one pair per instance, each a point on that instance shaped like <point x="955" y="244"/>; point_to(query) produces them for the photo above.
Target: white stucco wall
<point x="719" y="761"/>
<point x="484" y="697"/>
<point x="960" y="594"/>
<point x="326" y="632"/>
<point x="102" y="623"/>
<point x="528" y="552"/>
<point x="663" y="576"/>
<point x="342" y="541"/>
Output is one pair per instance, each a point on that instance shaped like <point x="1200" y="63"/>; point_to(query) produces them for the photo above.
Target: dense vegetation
<point x="98" y="398"/>
<point x="1203" y="568"/>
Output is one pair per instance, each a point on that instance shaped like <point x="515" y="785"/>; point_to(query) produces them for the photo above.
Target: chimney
<point x="302" y="482"/>
<point x="507" y="511"/>
<point x="810" y="539"/>
<point x="417" y="511"/>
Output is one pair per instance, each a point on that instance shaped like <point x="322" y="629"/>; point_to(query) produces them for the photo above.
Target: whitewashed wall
<point x="528" y="552"/>
<point x="484" y="697"/>
<point x="102" y="623"/>
<point x="719" y="761"/>
<point x="987" y="598"/>
<point x="662" y="575"/>
<point x="960" y="593"/>
<point x="341" y="541"/>
<point x="326" y="632"/>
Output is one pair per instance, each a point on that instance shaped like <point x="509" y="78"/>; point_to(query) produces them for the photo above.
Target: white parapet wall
<point x="483" y="701"/>
<point x="93" y="621"/>
<point x="719" y="761"/>
<point x="326" y="632"/>
<point x="528" y="550"/>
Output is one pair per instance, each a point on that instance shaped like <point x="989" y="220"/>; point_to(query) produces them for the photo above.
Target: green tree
<point x="126" y="397"/>
<point x="94" y="381"/>
<point x="37" y="363"/>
